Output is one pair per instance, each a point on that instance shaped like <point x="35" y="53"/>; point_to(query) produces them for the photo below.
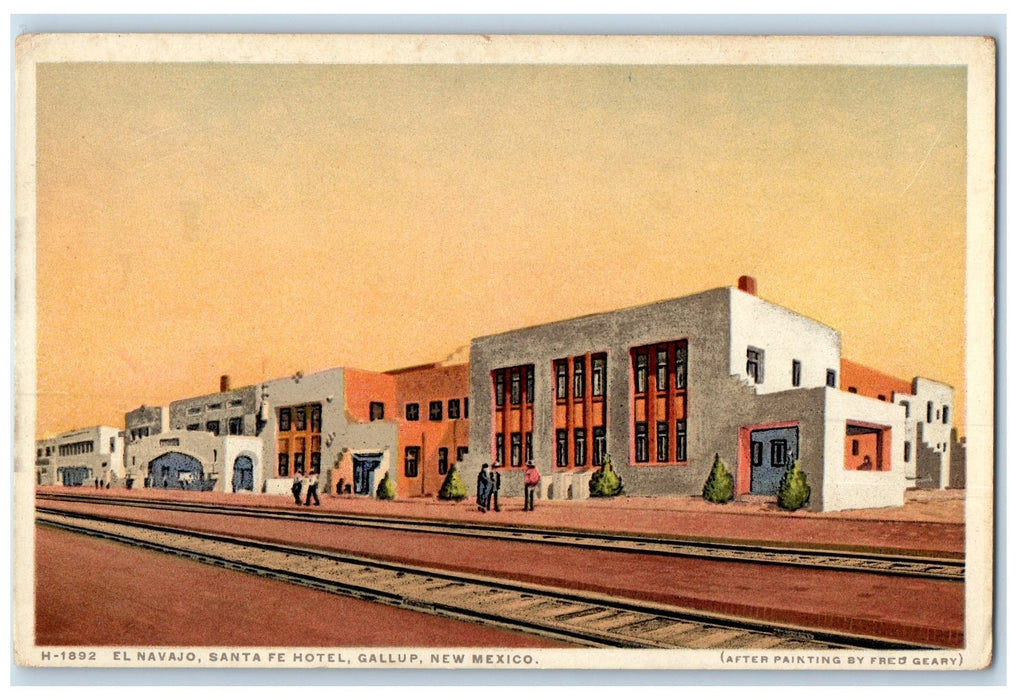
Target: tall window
<point x="300" y="418"/>
<point x="907" y="408"/>
<point x="435" y="410"/>
<point x="377" y="410"/>
<point x="578" y="378"/>
<point x="680" y="446"/>
<point x="796" y="373"/>
<point x="284" y="464"/>
<point x="681" y="365"/>
<point x="466" y="407"/>
<point x="443" y="460"/>
<point x="499" y="448"/>
<point x="946" y="415"/>
<point x="529" y="384"/>
<point x="517" y="449"/>
<point x="284" y="419"/>
<point x="642" y="443"/>
<point x="561" y="374"/>
<point x="212" y="426"/>
<point x="662" y="369"/>
<point x="831" y="378"/>
<point x="236" y="426"/>
<point x="461" y="453"/>
<point x="907" y="451"/>
<point x="754" y="364"/>
<point x="663" y="444"/>
<point x="316" y="417"/>
<point x="528" y="446"/>
<point x="453" y="409"/>
<point x="499" y="388"/>
<point x="516" y="388"/>
<point x="413" y="411"/>
<point x="599" y="446"/>
<point x="640" y="372"/>
<point x="562" y="439"/>
<point x="411" y="461"/>
<point x="579" y="435"/>
<point x="598" y="369"/>
<point x="929" y="410"/>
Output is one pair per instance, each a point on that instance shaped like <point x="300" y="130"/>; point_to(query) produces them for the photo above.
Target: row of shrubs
<point x="793" y="493"/>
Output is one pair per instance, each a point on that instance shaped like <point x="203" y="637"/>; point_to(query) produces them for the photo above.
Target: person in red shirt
<point x="531" y="479"/>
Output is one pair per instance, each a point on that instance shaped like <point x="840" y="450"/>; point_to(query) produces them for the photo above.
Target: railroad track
<point x="585" y="619"/>
<point x="942" y="568"/>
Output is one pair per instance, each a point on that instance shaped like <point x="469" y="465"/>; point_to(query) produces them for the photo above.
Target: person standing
<point x="495" y="487"/>
<point x="312" y="490"/>
<point x="298" y="486"/>
<point x="531" y="479"/>
<point x="483" y="488"/>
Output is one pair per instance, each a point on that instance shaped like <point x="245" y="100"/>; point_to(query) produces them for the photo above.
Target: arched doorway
<point x="243" y="474"/>
<point x="175" y="470"/>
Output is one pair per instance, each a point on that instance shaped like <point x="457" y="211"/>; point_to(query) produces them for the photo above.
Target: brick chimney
<point x="224" y="383"/>
<point x="747" y="284"/>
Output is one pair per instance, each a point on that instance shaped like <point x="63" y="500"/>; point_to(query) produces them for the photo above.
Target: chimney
<point x="224" y="383"/>
<point x="747" y="284"/>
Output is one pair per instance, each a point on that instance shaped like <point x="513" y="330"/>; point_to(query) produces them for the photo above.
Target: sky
<point x="195" y="220"/>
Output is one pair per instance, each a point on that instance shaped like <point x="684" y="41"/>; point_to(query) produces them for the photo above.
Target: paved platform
<point x="929" y="522"/>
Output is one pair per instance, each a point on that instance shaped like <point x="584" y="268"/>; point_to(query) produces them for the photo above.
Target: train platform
<point x="929" y="521"/>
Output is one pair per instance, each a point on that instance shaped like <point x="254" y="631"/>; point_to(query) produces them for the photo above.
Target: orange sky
<point x="197" y="220"/>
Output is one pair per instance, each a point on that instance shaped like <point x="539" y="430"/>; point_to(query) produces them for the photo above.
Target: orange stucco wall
<point x="364" y="387"/>
<point x="869" y="382"/>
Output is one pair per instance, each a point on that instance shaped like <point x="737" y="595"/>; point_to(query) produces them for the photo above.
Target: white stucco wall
<point x="105" y="461"/>
<point x="783" y="336"/>
<point x="845" y="489"/>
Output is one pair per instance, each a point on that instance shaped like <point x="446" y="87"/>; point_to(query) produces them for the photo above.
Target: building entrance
<point x="243" y="474"/>
<point x="772" y="452"/>
<point x="175" y="470"/>
<point x="74" y="476"/>
<point x="363" y="473"/>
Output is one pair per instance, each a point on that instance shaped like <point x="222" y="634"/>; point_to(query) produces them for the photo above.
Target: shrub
<point x="794" y="489"/>
<point x="719" y="486"/>
<point x="386" y="490"/>
<point x="604" y="482"/>
<point x="452" y="489"/>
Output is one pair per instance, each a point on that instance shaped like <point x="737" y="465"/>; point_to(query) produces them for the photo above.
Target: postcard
<point x="545" y="352"/>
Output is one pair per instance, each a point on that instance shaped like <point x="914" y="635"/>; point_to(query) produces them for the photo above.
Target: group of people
<point x="312" y="488"/>
<point x="489" y="485"/>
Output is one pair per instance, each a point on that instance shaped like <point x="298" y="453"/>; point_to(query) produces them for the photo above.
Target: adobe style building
<point x="660" y="388"/>
<point x="664" y="387"/>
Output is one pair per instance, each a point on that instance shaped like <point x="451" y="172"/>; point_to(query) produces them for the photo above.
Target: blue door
<point x="174" y="470"/>
<point x="772" y="453"/>
<point x="243" y="474"/>
<point x="363" y="473"/>
<point x="74" y="476"/>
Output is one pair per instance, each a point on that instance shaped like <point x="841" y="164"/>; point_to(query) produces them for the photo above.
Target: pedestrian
<point x="298" y="486"/>
<point x="531" y="479"/>
<point x="312" y="491"/>
<point x="495" y="487"/>
<point x="483" y="488"/>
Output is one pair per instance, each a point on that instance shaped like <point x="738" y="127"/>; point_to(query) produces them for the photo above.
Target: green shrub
<point x="719" y="486"/>
<point x="386" y="490"/>
<point x="452" y="489"/>
<point x="604" y="482"/>
<point x="794" y="488"/>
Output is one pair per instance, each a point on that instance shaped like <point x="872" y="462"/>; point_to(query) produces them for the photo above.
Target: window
<point x="642" y="443"/>
<point x="662" y="369"/>
<point x="680" y="442"/>
<point x="907" y="451"/>
<point x="413" y="411"/>
<point x="284" y="464"/>
<point x="499" y="448"/>
<point x="907" y="408"/>
<point x="757" y="453"/>
<point x="316" y="418"/>
<point x="377" y="410"/>
<point x="929" y="409"/>
<point x="236" y="426"/>
<point x="640" y="372"/>
<point x="443" y="460"/>
<point x="112" y="445"/>
<point x="681" y="365"/>
<point x="881" y="397"/>
<point x="466" y="407"/>
<point x="778" y="453"/>
<point x="854" y="447"/>
<point x="796" y="373"/>
<point x="529" y="384"/>
<point x="754" y="364"/>
<point x="515" y="388"/>
<point x="599" y="446"/>
<point x="662" y="441"/>
<point x="300" y="418"/>
<point x="316" y="463"/>
<point x="831" y="378"/>
<point x="528" y="446"/>
<point x="579" y="441"/>
<point x="852" y="390"/>
<point x="453" y="409"/>
<point x="578" y="378"/>
<point x="562" y="440"/>
<point x="38" y="453"/>
<point x="598" y="367"/>
<point x="214" y="406"/>
<point x="517" y="449"/>
<point x="298" y="461"/>
<point x="233" y="403"/>
<point x="561" y="374"/>
<point x="461" y="453"/>
<point x="284" y="419"/>
<point x="499" y="389"/>
<point x="411" y="460"/>
<point x="946" y="415"/>
<point x="434" y="410"/>
<point x="194" y="426"/>
<point x="194" y="410"/>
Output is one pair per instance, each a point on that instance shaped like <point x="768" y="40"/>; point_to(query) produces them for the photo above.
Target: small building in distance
<point x="85" y="457"/>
